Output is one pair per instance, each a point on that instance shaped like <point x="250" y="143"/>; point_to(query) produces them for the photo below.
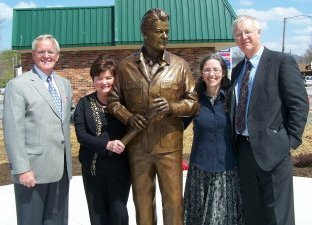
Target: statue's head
<point x="155" y="29"/>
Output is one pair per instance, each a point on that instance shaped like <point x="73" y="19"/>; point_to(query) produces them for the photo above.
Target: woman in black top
<point x="105" y="168"/>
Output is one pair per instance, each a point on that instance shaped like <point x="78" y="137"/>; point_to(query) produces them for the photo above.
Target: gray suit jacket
<point x="35" y="136"/>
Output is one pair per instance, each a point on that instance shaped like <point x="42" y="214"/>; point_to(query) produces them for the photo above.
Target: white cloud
<point x="246" y="3"/>
<point x="6" y="12"/>
<point x="301" y="39"/>
<point x="273" y="14"/>
<point x="52" y="6"/>
<point x="273" y="45"/>
<point x="26" y="5"/>
<point x="293" y="48"/>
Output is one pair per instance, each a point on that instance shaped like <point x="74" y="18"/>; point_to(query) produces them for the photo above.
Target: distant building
<point x="305" y="70"/>
<point x="197" y="27"/>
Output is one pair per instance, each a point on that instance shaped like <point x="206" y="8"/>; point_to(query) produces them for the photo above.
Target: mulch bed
<point x="5" y="177"/>
<point x="5" y="172"/>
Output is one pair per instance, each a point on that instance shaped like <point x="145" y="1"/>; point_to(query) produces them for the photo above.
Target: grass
<point x="304" y="149"/>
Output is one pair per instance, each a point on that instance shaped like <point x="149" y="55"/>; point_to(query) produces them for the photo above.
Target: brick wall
<point x="75" y="65"/>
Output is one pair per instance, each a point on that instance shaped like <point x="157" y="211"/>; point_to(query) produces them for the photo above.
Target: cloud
<point x="297" y="44"/>
<point x="26" y="5"/>
<point x="273" y="14"/>
<point x="273" y="45"/>
<point x="52" y="6"/>
<point x="6" y="12"/>
<point x="246" y="3"/>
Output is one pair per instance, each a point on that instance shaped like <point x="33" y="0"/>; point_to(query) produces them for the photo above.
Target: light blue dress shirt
<point x="255" y="62"/>
<point x="44" y="77"/>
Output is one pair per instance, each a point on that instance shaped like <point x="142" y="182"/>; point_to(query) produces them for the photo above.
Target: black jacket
<point x="90" y="143"/>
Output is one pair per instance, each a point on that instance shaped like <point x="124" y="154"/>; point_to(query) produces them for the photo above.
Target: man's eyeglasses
<point x="214" y="70"/>
<point x="43" y="52"/>
<point x="247" y="33"/>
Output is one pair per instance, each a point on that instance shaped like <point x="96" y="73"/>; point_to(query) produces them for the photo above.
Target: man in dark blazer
<point x="36" y="129"/>
<point x="267" y="124"/>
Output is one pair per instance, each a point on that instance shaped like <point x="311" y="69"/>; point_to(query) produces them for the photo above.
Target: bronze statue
<point x="154" y="89"/>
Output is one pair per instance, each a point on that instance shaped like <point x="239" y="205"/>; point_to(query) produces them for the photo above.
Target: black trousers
<point x="107" y="195"/>
<point x="267" y="195"/>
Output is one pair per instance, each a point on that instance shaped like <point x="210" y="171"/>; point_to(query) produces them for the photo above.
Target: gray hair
<point x="151" y="16"/>
<point x="45" y="37"/>
<point x="242" y="19"/>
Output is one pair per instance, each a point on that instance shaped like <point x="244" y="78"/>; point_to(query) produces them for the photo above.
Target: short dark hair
<point x="102" y="64"/>
<point x="225" y="81"/>
<point x="151" y="16"/>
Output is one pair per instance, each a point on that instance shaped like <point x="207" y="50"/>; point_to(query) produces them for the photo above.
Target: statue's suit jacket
<point x="36" y="137"/>
<point x="278" y="108"/>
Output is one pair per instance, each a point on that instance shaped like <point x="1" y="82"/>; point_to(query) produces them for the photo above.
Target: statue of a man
<point x="152" y="80"/>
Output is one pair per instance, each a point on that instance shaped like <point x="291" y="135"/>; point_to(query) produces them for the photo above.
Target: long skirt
<point x="212" y="198"/>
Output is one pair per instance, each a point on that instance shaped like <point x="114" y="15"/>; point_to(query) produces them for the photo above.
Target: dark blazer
<point x="90" y="143"/>
<point x="278" y="108"/>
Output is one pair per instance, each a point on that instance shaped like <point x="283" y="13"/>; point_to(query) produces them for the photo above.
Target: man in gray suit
<point x="36" y="121"/>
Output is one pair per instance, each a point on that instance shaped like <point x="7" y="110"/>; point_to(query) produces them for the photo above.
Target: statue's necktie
<point x="56" y="97"/>
<point x="240" y="114"/>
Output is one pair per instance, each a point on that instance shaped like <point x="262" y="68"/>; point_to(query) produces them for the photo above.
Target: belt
<point x="243" y="138"/>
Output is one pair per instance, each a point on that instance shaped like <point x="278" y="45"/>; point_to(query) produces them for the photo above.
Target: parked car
<point x="2" y="90"/>
<point x="308" y="80"/>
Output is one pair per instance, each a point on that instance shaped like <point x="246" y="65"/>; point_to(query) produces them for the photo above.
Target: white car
<point x="2" y="90"/>
<point x="308" y="80"/>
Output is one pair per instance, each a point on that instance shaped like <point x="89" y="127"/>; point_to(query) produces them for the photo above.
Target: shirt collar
<point x="256" y="58"/>
<point x="221" y="95"/>
<point x="42" y="75"/>
<point x="165" y="57"/>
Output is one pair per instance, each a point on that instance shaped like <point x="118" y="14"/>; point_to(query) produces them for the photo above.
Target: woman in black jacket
<point x="104" y="161"/>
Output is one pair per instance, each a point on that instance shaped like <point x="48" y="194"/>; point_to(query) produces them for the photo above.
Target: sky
<point x="270" y="13"/>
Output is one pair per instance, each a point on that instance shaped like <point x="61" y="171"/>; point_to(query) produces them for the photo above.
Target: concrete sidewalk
<point x="78" y="212"/>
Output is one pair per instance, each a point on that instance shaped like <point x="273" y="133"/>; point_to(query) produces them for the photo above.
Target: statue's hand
<point x="160" y="105"/>
<point x="137" y="121"/>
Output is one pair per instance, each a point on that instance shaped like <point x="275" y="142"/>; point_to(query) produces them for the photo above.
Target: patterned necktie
<point x="240" y="115"/>
<point x="56" y="97"/>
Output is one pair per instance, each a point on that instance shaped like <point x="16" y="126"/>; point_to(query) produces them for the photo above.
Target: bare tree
<point x="308" y="55"/>
<point x="1" y="26"/>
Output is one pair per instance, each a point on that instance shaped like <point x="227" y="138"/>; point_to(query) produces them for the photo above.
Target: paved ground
<point x="78" y="212"/>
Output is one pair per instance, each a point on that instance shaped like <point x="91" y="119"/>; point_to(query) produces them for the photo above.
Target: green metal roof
<point x="72" y="27"/>
<point x="191" y="21"/>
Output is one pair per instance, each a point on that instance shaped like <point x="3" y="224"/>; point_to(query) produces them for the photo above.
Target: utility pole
<point x="284" y="27"/>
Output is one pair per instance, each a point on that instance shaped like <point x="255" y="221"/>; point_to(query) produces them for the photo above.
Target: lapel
<point x="38" y="84"/>
<point x="142" y="66"/>
<point x="260" y="77"/>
